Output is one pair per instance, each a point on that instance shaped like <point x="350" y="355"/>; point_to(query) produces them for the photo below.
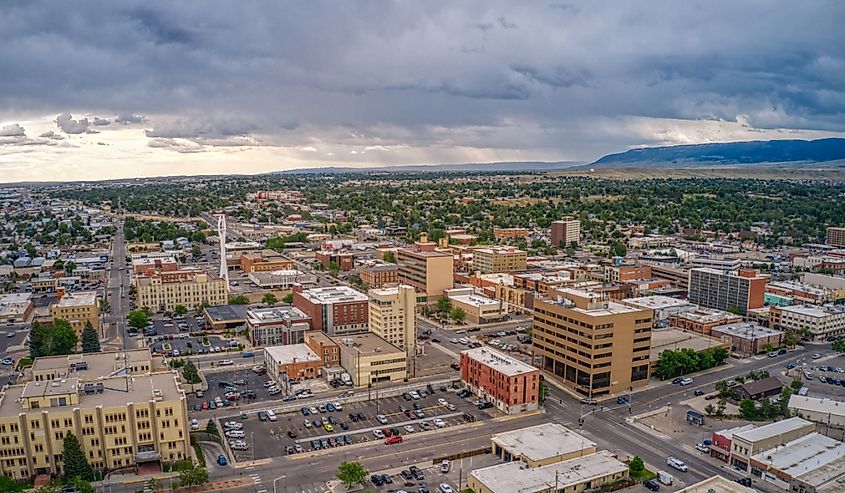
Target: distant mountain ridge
<point x="497" y="166"/>
<point x="750" y="152"/>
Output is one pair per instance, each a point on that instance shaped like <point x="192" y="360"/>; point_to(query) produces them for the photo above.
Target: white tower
<point x="221" y="235"/>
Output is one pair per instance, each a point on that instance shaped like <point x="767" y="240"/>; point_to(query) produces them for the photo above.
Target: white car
<point x="450" y="406"/>
<point x="414" y="394"/>
<point x="313" y="410"/>
<point x="445" y="466"/>
<point x="233" y="425"/>
<point x="195" y="425"/>
<point x="442" y="401"/>
<point x="408" y="428"/>
<point x="240" y="446"/>
<point x="271" y="415"/>
<point x="337" y="406"/>
<point x="378" y="434"/>
<point x="702" y="448"/>
<point x="439" y="422"/>
<point x="308" y="423"/>
<point x="445" y="488"/>
<point x="226" y="362"/>
<point x="274" y="391"/>
<point x="381" y="418"/>
<point x="677" y="464"/>
<point x="269" y="383"/>
<point x="235" y="434"/>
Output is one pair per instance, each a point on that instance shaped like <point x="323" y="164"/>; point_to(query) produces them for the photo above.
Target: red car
<point x="387" y="432"/>
<point x="710" y="397"/>
<point x="204" y="406"/>
<point x="393" y="439"/>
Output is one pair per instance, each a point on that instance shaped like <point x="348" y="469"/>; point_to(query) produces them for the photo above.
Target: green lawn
<point x="645" y="475"/>
<point x="200" y="457"/>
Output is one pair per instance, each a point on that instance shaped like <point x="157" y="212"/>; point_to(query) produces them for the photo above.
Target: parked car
<point x="393" y="440"/>
<point x="677" y="464"/>
<point x="652" y="485"/>
<point x="221" y="460"/>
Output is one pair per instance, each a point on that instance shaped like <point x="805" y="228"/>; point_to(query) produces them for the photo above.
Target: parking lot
<point x="243" y="379"/>
<point x="272" y="438"/>
<point x="832" y="370"/>
<point x="187" y="345"/>
<point x="429" y="477"/>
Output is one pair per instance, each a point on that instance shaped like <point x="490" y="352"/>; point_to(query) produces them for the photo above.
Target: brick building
<point x="324" y="347"/>
<point x="343" y="260"/>
<point x="379" y="275"/>
<point x="334" y="310"/>
<point x="566" y="231"/>
<point x="511" y="385"/>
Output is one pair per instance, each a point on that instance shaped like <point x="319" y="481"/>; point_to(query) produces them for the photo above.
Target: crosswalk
<point x="256" y="478"/>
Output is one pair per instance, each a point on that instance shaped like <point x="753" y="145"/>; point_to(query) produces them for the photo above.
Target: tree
<point x="458" y="314"/>
<point x="351" y="473"/>
<point x="636" y="466"/>
<point x="55" y="339"/>
<point x="90" y="340"/>
<point x="617" y="249"/>
<point x="211" y="428"/>
<point x="180" y="309"/>
<point x="269" y="299"/>
<point x="190" y="373"/>
<point x="138" y="319"/>
<point x="838" y="346"/>
<point x="543" y="391"/>
<point x="389" y="257"/>
<point x="444" y="305"/>
<point x="81" y="485"/>
<point x="238" y="299"/>
<point x="334" y="268"/>
<point x="709" y="409"/>
<point x="196" y="252"/>
<point x="288" y="298"/>
<point x="69" y="266"/>
<point x="748" y="410"/>
<point x="791" y="338"/>
<point x="193" y="476"/>
<point x="76" y="465"/>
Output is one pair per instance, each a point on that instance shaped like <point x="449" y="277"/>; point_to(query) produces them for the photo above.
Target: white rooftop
<point x="803" y="454"/>
<point x="798" y="286"/>
<point x="474" y="300"/>
<point x="510" y="477"/>
<point x="290" y="353"/>
<point x="814" y="310"/>
<point x="772" y="429"/>
<point x="80" y="298"/>
<point x="814" y="404"/>
<point x="541" y="442"/>
<point x="333" y="294"/>
<point x="499" y="361"/>
<point x="730" y="432"/>
<point x="275" y="314"/>
<point x="747" y="330"/>
<point x="658" y="301"/>
<point x="704" y="315"/>
<point x="717" y="484"/>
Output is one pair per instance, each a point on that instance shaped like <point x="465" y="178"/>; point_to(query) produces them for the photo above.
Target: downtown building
<point x="566" y="231"/>
<point x="594" y="346"/>
<point x="392" y="316"/>
<point x="277" y="326"/>
<point x="191" y="288"/>
<point x="727" y="290"/>
<point x="125" y="408"/>
<point x="511" y="385"/>
<point x="334" y="310"/>
<point x="428" y="271"/>
<point x="496" y="260"/>
<point x="78" y="309"/>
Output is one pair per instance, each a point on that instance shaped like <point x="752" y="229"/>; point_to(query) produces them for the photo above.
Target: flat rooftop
<point x="772" y="429"/>
<point x="674" y="339"/>
<point x="499" y="361"/>
<point x="275" y="314"/>
<point x="717" y="484"/>
<point x="475" y="300"/>
<point x="299" y="353"/>
<point x="730" y="432"/>
<point x="368" y="343"/>
<point x="814" y="311"/>
<point x="798" y="286"/>
<point x="707" y="316"/>
<point x="543" y="441"/>
<point x="814" y="404"/>
<point x="227" y="313"/>
<point x="102" y="364"/>
<point x="747" y="330"/>
<point x="142" y="388"/>
<point x="803" y="454"/>
<point x="382" y="267"/>
<point x="333" y="294"/>
<point x="827" y="478"/>
<point x="658" y="301"/>
<point x="512" y="478"/>
<point x="79" y="298"/>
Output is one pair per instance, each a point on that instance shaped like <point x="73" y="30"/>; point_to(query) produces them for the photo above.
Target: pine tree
<point x="190" y="373"/>
<point x="90" y="341"/>
<point x="76" y="465"/>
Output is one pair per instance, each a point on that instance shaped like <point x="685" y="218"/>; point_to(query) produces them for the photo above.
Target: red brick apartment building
<point x="334" y="310"/>
<point x="511" y="385"/>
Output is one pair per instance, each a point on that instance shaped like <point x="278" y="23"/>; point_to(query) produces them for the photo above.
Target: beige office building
<point x="369" y="359"/>
<point x="594" y="346"/>
<point x="120" y="421"/>
<point x="493" y="260"/>
<point x="78" y="309"/>
<point x="392" y="316"/>
<point x="429" y="272"/>
<point x="190" y="288"/>
<point x="565" y="232"/>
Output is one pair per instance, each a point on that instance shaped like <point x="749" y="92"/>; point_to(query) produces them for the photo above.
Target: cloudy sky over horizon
<point x="105" y="89"/>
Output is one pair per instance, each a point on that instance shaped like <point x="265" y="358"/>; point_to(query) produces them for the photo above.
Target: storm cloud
<point x="567" y="80"/>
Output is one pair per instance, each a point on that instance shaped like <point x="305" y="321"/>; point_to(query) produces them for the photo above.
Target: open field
<point x="826" y="172"/>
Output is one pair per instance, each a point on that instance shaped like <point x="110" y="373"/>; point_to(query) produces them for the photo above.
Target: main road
<point x="117" y="290"/>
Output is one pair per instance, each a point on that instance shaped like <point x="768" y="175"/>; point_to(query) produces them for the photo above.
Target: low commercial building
<point x="162" y="291"/>
<point x="277" y="326"/>
<point x="77" y="308"/>
<point x="571" y="476"/>
<point x="662" y="306"/>
<point x="509" y="233"/>
<point x="16" y="307"/>
<point x="120" y="422"/>
<point x="281" y="279"/>
<point x="478" y="309"/>
<point x="343" y="260"/>
<point x="721" y="447"/>
<point x="827" y="478"/>
<point x="293" y="361"/>
<point x="823" y="411"/>
<point x="783" y="463"/>
<point x="541" y="282"/>
<point x="264" y="261"/>
<point x="379" y="275"/>
<point x="702" y="320"/>
<point x="748" y="337"/>
<point x="749" y="443"/>
<point x="511" y="385"/>
<point x="717" y="484"/>
<point x="369" y="359"/>
<point x="335" y="310"/>
<point x="627" y="272"/>
<point x="324" y="347"/>
<point x="223" y="317"/>
<point x="150" y="265"/>
<point x="819" y="322"/>
<point x="541" y="445"/>
<point x="492" y="260"/>
<point x="758" y="389"/>
<point x="798" y="292"/>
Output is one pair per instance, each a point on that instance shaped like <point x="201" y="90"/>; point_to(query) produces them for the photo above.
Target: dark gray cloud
<point x="561" y="76"/>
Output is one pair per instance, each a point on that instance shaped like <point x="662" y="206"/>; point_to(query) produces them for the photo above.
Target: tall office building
<point x="728" y="291"/>
<point x="565" y="231"/>
<point x="594" y="346"/>
<point x="392" y="316"/>
<point x="835" y="237"/>
<point x="428" y="271"/>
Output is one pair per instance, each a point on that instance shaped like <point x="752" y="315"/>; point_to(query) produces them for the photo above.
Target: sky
<point x="105" y="89"/>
